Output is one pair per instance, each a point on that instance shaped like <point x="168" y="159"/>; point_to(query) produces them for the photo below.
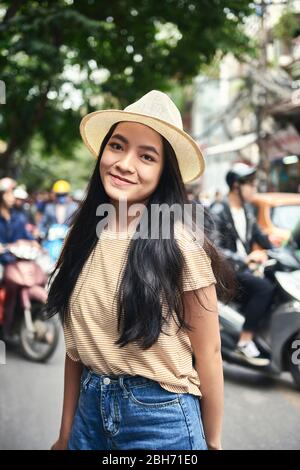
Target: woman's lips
<point x="119" y="182"/>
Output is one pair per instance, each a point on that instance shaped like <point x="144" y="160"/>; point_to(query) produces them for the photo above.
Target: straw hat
<point x="156" y="110"/>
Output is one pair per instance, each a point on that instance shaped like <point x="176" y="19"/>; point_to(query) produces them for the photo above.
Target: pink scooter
<point x="24" y="288"/>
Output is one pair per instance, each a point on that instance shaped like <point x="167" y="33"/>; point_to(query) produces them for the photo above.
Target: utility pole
<point x="263" y="36"/>
<point x="259" y="97"/>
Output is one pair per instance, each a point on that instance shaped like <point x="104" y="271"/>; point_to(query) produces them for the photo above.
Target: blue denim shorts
<point x="133" y="412"/>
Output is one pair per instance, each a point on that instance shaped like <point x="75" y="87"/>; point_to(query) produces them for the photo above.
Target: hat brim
<point x="94" y="127"/>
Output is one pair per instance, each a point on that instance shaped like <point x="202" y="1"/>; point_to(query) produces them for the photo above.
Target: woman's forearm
<point x="210" y="371"/>
<point x="73" y="372"/>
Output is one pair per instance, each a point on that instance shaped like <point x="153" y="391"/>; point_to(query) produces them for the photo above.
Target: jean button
<point x="106" y="381"/>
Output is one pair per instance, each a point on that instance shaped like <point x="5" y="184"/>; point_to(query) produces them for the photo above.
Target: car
<point x="277" y="214"/>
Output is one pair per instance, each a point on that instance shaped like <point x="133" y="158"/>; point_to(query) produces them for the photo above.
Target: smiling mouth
<point x="118" y="179"/>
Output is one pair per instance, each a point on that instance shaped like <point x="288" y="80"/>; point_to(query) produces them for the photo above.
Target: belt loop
<point x="123" y="386"/>
<point x="87" y="379"/>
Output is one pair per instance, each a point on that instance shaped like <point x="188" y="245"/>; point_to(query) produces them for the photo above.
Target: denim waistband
<point x="114" y="381"/>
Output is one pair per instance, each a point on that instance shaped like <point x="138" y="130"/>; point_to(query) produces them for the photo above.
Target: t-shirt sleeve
<point x="71" y="349"/>
<point x="197" y="271"/>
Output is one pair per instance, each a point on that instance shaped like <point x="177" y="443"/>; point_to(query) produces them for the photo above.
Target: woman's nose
<point x="126" y="162"/>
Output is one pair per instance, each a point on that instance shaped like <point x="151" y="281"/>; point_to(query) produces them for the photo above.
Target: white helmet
<point x="20" y="192"/>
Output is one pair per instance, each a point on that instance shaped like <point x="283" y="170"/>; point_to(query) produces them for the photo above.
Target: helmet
<point x="240" y="173"/>
<point x="61" y="187"/>
<point x="7" y="184"/>
<point x="20" y="192"/>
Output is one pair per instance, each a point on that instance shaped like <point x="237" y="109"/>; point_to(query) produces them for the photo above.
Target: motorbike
<point x="279" y="335"/>
<point x="31" y="331"/>
<point x="54" y="241"/>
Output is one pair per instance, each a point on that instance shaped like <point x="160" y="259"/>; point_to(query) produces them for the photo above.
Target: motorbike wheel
<point x="34" y="346"/>
<point x="293" y="366"/>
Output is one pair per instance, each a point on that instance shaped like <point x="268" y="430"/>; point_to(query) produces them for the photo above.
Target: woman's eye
<point x="148" y="158"/>
<point x="115" y="146"/>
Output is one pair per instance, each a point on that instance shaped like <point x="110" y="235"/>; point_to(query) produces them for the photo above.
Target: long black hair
<point x="153" y="268"/>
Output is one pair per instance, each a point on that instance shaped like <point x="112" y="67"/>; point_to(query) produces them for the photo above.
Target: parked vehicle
<point x="279" y="336"/>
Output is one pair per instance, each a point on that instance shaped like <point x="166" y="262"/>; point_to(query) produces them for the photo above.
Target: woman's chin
<point x="119" y="194"/>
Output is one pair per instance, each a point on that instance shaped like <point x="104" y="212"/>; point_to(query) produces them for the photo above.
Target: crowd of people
<point x="25" y="219"/>
<point x="29" y="216"/>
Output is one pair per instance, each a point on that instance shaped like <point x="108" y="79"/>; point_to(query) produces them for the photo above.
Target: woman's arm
<point x="73" y="370"/>
<point x="206" y="345"/>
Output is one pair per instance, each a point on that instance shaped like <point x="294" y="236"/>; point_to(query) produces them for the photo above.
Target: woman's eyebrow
<point x="144" y="147"/>
<point x="149" y="148"/>
<point x="120" y="137"/>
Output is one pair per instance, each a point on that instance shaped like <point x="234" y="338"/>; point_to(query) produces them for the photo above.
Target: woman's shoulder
<point x="188" y="238"/>
<point x="197" y="270"/>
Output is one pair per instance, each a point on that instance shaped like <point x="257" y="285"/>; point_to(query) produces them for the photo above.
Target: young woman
<point x="139" y="312"/>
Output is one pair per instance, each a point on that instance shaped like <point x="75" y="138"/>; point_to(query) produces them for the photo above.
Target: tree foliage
<point x="60" y="59"/>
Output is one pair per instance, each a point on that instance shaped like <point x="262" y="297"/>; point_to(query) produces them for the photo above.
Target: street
<point x="260" y="412"/>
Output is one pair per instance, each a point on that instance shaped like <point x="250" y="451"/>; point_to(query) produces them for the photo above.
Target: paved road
<point x="260" y="412"/>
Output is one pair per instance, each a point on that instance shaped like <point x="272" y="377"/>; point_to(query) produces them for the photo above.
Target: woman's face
<point x="8" y="199"/>
<point x="132" y="162"/>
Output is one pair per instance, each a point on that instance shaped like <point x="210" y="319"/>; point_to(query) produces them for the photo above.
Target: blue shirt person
<point x="12" y="222"/>
<point x="12" y="230"/>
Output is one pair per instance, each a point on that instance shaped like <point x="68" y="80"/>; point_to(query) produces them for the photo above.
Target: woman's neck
<point x="5" y="212"/>
<point x="122" y="217"/>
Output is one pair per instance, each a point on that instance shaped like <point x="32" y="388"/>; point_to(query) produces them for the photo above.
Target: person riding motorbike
<point x="59" y="211"/>
<point x="12" y="232"/>
<point x="236" y="233"/>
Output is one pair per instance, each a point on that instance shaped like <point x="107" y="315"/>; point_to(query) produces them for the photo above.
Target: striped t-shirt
<point x="92" y="325"/>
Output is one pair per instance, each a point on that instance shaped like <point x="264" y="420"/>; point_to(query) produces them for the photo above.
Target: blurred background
<point x="233" y="69"/>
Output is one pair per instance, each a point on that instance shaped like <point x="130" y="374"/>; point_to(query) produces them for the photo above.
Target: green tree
<point x="61" y="59"/>
<point x="288" y="25"/>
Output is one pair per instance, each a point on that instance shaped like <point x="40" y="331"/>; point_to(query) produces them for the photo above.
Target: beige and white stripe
<point x="91" y="330"/>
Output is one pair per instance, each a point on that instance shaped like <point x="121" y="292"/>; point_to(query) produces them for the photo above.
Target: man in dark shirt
<point x="236" y="233"/>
